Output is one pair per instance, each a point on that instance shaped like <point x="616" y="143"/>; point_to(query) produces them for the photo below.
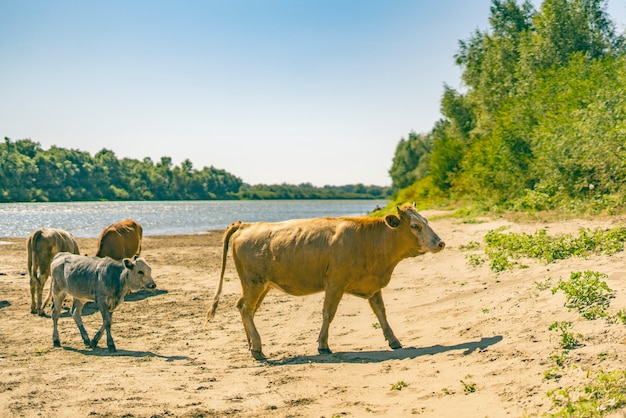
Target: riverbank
<point x="476" y="343"/>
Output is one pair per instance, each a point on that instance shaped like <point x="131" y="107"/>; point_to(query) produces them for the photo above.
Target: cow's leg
<point x="378" y="306"/>
<point x="77" y="312"/>
<point x="331" y="301"/>
<point x="57" y="303"/>
<point x="33" y="292"/>
<point x="39" y="283"/>
<point x="106" y="325"/>
<point x="45" y="302"/>
<point x="248" y="304"/>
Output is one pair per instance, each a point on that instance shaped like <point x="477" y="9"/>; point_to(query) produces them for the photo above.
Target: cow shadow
<point x="103" y="352"/>
<point x="4" y="304"/>
<point x="385" y="355"/>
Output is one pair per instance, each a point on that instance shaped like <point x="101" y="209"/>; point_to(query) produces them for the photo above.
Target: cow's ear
<point x="392" y="220"/>
<point x="128" y="263"/>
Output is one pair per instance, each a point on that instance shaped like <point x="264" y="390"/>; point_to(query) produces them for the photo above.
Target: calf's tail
<point x="232" y="228"/>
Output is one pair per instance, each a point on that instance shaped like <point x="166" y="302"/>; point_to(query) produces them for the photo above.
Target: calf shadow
<point x="385" y="355"/>
<point x="103" y="352"/>
<point x="91" y="308"/>
<point x="144" y="294"/>
<point x="4" y="304"/>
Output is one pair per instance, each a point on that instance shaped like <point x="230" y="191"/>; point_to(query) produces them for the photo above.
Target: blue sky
<point x="273" y="91"/>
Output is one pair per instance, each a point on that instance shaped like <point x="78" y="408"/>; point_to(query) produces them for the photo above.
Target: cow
<point x="103" y="280"/>
<point x="354" y="255"/>
<point x="120" y="240"/>
<point x="42" y="245"/>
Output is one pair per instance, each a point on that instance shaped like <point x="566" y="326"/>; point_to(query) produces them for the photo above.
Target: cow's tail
<point x="232" y="228"/>
<point x="32" y="254"/>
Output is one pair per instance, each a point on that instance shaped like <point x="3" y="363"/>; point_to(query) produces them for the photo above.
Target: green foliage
<point x="308" y="191"/>
<point x="475" y="260"/>
<point x="468" y="387"/>
<point x="30" y="174"/>
<point x="501" y="247"/>
<point x="587" y="293"/>
<point x="542" y="123"/>
<point x="470" y="246"/>
<point x="568" y="340"/>
<point x="410" y="160"/>
<point x="605" y="393"/>
<point x="399" y="385"/>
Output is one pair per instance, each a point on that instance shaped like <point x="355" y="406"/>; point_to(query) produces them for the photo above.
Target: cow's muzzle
<point x="440" y="246"/>
<point x="151" y="286"/>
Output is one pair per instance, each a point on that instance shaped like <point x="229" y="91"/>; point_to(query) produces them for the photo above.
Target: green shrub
<point x="587" y="293"/>
<point x="501" y="247"/>
<point x="606" y="393"/>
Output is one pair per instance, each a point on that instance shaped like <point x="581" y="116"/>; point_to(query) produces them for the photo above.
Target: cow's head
<point x="139" y="274"/>
<point x="422" y="238"/>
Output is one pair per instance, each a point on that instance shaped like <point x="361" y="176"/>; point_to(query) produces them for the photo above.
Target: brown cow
<point x="42" y="245"/>
<point x="120" y="240"/>
<point x="354" y="255"/>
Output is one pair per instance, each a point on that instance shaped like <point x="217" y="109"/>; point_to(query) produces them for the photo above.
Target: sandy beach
<point x="476" y="343"/>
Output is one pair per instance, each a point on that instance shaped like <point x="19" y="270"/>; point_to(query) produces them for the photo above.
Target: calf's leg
<point x="106" y="325"/>
<point x="378" y="306"/>
<point x="57" y="303"/>
<point x="77" y="312"/>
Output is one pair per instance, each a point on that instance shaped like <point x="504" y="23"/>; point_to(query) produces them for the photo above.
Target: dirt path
<point x="463" y="327"/>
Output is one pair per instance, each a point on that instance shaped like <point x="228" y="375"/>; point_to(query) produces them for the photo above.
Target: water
<point x="87" y="219"/>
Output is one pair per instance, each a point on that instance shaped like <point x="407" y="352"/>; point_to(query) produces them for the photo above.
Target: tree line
<point x="28" y="173"/>
<point x="540" y="122"/>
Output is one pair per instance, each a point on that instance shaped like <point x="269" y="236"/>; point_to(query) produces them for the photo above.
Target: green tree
<point x="410" y="160"/>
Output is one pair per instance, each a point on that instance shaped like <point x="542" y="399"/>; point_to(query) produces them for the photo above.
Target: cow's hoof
<point x="258" y="355"/>
<point x="395" y="345"/>
<point x="324" y="351"/>
<point x="56" y="343"/>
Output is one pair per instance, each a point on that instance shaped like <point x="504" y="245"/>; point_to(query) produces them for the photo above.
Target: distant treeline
<point x="540" y="123"/>
<point x="29" y="173"/>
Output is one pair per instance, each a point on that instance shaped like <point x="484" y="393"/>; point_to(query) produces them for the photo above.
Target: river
<point x="87" y="219"/>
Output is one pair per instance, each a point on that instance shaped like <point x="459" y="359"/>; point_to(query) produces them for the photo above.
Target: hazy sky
<point x="272" y="91"/>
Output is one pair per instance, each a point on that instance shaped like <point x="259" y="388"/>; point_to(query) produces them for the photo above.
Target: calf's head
<point x="419" y="236"/>
<point x="139" y="274"/>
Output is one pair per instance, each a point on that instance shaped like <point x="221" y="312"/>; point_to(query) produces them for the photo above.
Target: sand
<point x="476" y="342"/>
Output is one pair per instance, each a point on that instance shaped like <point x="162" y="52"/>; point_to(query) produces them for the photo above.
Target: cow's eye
<point x="140" y="272"/>
<point x="417" y="227"/>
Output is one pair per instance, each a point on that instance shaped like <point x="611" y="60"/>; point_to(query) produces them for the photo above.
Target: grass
<point x="40" y="351"/>
<point x="474" y="260"/>
<point x="399" y="385"/>
<point x="568" y="339"/>
<point x="502" y="248"/>
<point x="587" y="293"/>
<point x="606" y="392"/>
<point x="468" y="387"/>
